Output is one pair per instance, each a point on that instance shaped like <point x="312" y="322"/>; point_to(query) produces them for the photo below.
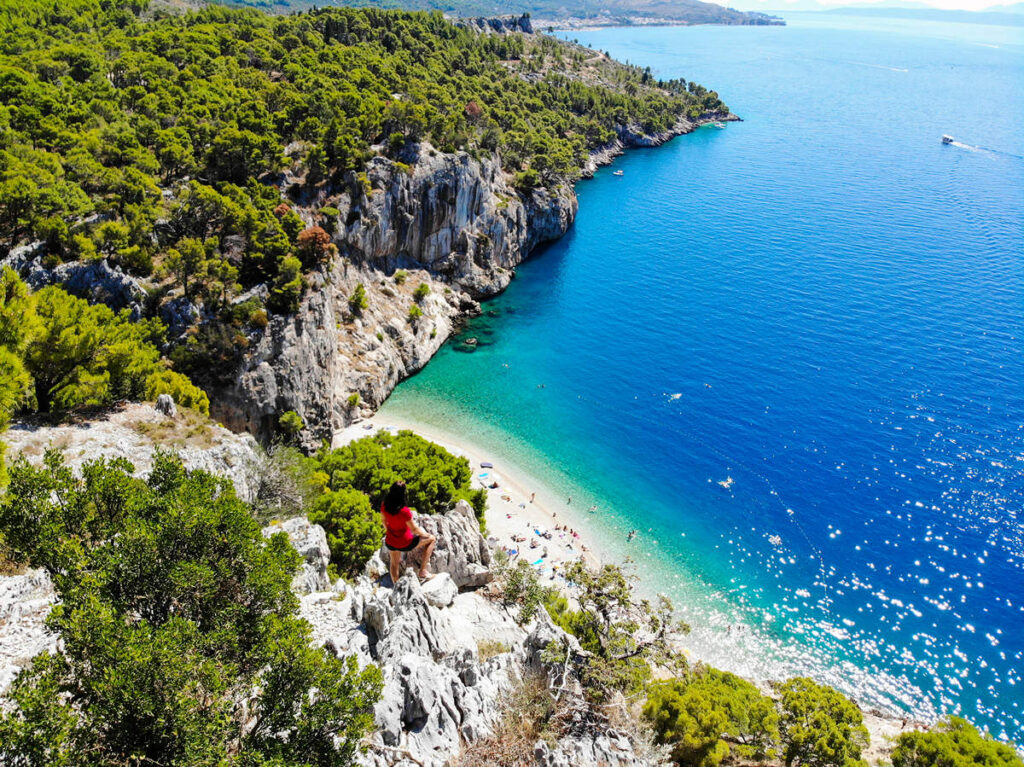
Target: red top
<point x="398" y="533"/>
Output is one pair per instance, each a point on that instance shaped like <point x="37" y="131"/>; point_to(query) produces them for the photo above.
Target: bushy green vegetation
<point x="819" y="726"/>
<point x="355" y="478"/>
<point x="156" y="143"/>
<point x="622" y="637"/>
<point x="180" y="641"/>
<point x="695" y="712"/>
<point x="58" y="352"/>
<point x="708" y="715"/>
<point x="953" y="742"/>
<point x="354" y="528"/>
<point x="704" y="715"/>
<point x="357" y="302"/>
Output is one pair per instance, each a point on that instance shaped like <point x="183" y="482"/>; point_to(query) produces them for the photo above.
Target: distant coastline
<point x="580" y="23"/>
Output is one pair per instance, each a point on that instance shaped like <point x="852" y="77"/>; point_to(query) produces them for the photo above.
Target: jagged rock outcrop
<point x="25" y="601"/>
<point x="461" y="551"/>
<point x="135" y="431"/>
<point x="95" y="281"/>
<point x="310" y="541"/>
<point x="597" y="748"/>
<point x="439" y="694"/>
<point x="502" y="25"/>
<point x="452" y="222"/>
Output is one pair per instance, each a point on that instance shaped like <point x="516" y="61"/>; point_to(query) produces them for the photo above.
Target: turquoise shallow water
<point x="825" y="305"/>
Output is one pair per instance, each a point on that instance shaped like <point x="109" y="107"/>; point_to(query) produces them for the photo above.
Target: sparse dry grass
<point x="528" y="713"/>
<point x="188" y="428"/>
<point x="490" y="648"/>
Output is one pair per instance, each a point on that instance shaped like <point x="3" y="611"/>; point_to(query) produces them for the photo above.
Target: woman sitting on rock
<point x="403" y="534"/>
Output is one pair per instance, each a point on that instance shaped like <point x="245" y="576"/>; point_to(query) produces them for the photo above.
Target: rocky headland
<point x="451" y="221"/>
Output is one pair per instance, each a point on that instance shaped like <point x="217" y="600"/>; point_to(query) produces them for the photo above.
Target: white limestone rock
<point x="25" y="601"/>
<point x="596" y="749"/>
<point x="440" y="591"/>
<point x="135" y="431"/>
<point x="311" y="542"/>
<point x="165" y="405"/>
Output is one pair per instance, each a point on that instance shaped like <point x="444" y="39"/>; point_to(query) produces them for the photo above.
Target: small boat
<point x="947" y="139"/>
<point x="719" y="125"/>
<point x="618" y="173"/>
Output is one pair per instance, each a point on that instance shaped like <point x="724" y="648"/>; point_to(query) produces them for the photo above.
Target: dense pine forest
<point x="149" y="139"/>
<point x="177" y="146"/>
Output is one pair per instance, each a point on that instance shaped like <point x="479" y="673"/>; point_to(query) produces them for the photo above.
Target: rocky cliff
<point x="451" y="221"/>
<point x="502" y="25"/>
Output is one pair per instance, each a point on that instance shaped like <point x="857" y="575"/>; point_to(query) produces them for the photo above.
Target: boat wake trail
<point x="879" y="66"/>
<point x="985" y="150"/>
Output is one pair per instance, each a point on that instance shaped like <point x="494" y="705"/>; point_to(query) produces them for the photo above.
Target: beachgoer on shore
<point x="532" y="496"/>
<point x="402" y="534"/>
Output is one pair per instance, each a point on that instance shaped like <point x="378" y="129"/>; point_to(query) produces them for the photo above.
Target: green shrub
<point x="353" y="400"/>
<point x="527" y="180"/>
<point x="259" y="318"/>
<point x="173" y="607"/>
<point x="953" y="742"/>
<point x="211" y="353"/>
<point x="819" y="726"/>
<point x="354" y="530"/>
<point x="329" y="218"/>
<point x="286" y="292"/>
<point x="415" y="313"/>
<point x="358" y="302"/>
<point x="435" y="478"/>
<point x="421" y="292"/>
<point x="180" y="388"/>
<point x="395" y="142"/>
<point x="58" y="352"/>
<point x="400" y="276"/>
<point x="695" y="713"/>
<point x="365" y="469"/>
<point x="290" y="424"/>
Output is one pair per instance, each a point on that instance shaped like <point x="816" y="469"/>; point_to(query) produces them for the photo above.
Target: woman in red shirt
<point x="403" y="534"/>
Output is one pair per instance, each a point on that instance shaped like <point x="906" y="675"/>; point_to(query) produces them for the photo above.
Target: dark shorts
<point x="412" y="545"/>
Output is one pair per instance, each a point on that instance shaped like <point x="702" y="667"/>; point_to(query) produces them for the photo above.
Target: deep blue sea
<point x="791" y="353"/>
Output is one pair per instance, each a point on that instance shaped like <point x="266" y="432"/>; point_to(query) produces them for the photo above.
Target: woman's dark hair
<point x="395" y="501"/>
